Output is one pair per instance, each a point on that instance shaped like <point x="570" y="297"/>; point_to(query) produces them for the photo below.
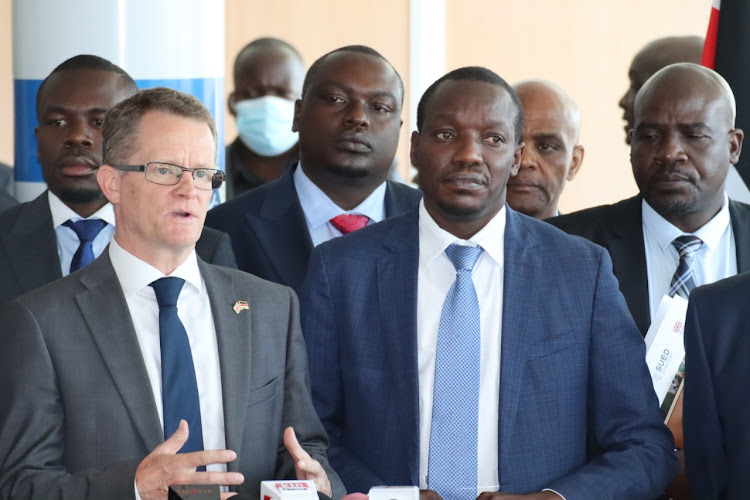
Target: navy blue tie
<point x="455" y="407"/>
<point x="179" y="389"/>
<point x="86" y="230"/>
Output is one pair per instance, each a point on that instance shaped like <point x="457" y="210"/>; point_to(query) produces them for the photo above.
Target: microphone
<point x="393" y="493"/>
<point x="288" y="490"/>
<point x="194" y="492"/>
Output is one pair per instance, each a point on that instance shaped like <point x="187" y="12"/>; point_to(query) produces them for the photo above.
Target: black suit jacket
<point x="716" y="408"/>
<point x="619" y="229"/>
<point x="28" y="248"/>
<point x="269" y="232"/>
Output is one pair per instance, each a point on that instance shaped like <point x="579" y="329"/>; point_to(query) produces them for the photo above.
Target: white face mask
<point x="265" y="124"/>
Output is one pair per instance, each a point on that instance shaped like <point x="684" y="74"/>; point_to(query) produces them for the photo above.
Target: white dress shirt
<point x="67" y="239"/>
<point x="319" y="208"/>
<point x="194" y="310"/>
<point x="716" y="259"/>
<point x="436" y="275"/>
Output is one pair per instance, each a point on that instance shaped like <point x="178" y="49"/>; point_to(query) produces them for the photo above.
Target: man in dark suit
<point x="38" y="241"/>
<point x="680" y="161"/>
<point x="716" y="410"/>
<point x="106" y="378"/>
<point x="412" y="394"/>
<point x="348" y="121"/>
<point x="268" y="75"/>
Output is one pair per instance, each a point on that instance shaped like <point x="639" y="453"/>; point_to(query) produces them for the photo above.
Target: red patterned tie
<point x="348" y="223"/>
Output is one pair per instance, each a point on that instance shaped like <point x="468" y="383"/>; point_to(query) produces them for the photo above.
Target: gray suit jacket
<point x="76" y="407"/>
<point x="28" y="248"/>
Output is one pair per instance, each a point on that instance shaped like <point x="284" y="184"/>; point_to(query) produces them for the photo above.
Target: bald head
<point x="683" y="143"/>
<point x="552" y="156"/>
<point x="653" y="57"/>
<point x="687" y="81"/>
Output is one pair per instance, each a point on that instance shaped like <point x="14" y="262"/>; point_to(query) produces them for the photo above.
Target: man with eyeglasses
<point x="71" y="223"/>
<point x="151" y="367"/>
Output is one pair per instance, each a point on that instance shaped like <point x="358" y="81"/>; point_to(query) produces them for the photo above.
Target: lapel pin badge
<point x="240" y="306"/>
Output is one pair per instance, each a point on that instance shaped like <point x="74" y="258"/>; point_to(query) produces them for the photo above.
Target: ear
<point x="517" y="158"/>
<point x="110" y="181"/>
<point x="230" y="104"/>
<point x="297" y="112"/>
<point x="735" y="145"/>
<point x="414" y="145"/>
<point x="575" y="162"/>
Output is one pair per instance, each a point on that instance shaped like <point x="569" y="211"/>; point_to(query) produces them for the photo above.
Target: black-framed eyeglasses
<point x="167" y="174"/>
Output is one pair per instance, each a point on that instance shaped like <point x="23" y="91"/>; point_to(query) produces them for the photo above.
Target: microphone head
<point x="194" y="492"/>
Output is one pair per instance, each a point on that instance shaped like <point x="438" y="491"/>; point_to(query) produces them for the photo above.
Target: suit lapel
<point x="397" y="293"/>
<point x="518" y="270"/>
<point x="282" y="231"/>
<point x="233" y="339"/>
<point x="33" y="240"/>
<point x="107" y="315"/>
<point x="740" y="217"/>
<point x="627" y="250"/>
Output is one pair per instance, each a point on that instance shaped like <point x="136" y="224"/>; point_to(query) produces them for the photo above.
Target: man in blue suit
<point x="348" y="121"/>
<point x="464" y="307"/>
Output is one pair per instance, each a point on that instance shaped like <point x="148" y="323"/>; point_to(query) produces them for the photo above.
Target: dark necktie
<point x="455" y="407"/>
<point x="179" y="388"/>
<point x="346" y="223"/>
<point x="86" y="230"/>
<point x="682" y="280"/>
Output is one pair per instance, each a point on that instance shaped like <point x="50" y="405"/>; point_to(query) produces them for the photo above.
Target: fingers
<point x="176" y="441"/>
<point x="305" y="466"/>
<point x="295" y="449"/>
<point x="224" y="496"/>
<point x="207" y="457"/>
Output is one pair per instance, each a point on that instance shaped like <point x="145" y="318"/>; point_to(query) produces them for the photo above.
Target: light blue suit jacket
<point x="577" y="411"/>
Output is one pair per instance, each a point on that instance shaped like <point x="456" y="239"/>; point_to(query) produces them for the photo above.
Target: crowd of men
<point x="330" y="324"/>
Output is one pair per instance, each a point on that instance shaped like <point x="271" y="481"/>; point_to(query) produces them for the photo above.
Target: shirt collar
<point x="62" y="213"/>
<point x="664" y="232"/>
<point x="433" y="240"/>
<point x="135" y="274"/>
<point x="319" y="208"/>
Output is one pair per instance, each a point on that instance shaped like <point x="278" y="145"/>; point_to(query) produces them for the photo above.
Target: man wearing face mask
<point x="268" y="75"/>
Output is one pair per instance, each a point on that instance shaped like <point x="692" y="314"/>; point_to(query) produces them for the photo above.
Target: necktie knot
<point x="463" y="257"/>
<point x="687" y="244"/>
<point x="167" y="291"/>
<point x="86" y="229"/>
<point x="347" y="223"/>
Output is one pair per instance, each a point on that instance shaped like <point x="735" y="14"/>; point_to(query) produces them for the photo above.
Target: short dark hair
<point x="362" y="49"/>
<point x="123" y="119"/>
<point x="473" y="74"/>
<point x="265" y="42"/>
<point x="88" y="61"/>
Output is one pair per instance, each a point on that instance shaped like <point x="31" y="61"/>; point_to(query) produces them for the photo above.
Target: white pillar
<point x="426" y="51"/>
<point x="173" y="43"/>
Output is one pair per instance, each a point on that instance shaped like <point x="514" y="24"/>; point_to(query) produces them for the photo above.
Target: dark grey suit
<point x="28" y="248"/>
<point x="619" y="229"/>
<point x="269" y="232"/>
<point x="76" y="407"/>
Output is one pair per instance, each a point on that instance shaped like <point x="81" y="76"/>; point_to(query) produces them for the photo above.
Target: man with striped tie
<point x="681" y="230"/>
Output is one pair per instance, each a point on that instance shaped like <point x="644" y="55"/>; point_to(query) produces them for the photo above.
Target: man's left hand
<point x="305" y="466"/>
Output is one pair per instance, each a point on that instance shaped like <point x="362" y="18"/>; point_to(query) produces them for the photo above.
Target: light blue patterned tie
<point x="455" y="406"/>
